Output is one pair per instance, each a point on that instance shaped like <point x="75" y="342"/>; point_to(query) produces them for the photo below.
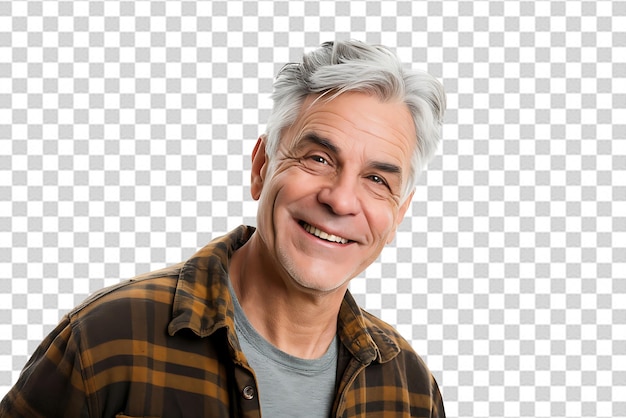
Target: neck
<point x="299" y="322"/>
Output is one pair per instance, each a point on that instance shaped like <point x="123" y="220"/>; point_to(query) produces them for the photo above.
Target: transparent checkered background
<point x="125" y="134"/>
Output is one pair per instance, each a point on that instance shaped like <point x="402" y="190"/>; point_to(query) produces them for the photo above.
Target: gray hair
<point x="353" y="66"/>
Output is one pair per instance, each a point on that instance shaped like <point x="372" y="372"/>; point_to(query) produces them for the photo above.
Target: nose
<point x="340" y="195"/>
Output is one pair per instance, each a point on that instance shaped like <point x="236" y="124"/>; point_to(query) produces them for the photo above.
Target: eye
<point x="378" y="180"/>
<point x="319" y="159"/>
<point x="317" y="163"/>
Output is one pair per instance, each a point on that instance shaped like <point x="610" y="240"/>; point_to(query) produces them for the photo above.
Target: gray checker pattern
<point x="125" y="134"/>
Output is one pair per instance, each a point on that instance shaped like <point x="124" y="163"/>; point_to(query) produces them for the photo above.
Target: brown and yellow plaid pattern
<point x="163" y="345"/>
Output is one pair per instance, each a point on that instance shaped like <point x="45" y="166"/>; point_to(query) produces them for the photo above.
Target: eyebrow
<point x="314" y="138"/>
<point x="386" y="167"/>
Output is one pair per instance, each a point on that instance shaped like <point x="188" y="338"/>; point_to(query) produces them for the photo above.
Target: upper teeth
<point x="324" y="235"/>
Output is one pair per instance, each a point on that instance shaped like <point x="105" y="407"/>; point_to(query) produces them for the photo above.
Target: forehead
<point x="356" y="118"/>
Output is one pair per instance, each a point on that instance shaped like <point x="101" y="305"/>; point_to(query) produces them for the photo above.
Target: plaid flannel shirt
<point x="163" y="345"/>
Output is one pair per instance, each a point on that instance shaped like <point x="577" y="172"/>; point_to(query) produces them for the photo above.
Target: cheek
<point x="381" y="219"/>
<point x="274" y="193"/>
<point x="266" y="203"/>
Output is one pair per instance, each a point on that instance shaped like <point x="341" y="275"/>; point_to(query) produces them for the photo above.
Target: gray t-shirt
<point x="288" y="386"/>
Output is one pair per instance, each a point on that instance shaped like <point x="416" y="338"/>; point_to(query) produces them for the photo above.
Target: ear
<point x="259" y="162"/>
<point x="401" y="212"/>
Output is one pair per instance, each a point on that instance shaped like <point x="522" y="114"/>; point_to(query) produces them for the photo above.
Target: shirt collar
<point x="365" y="336"/>
<point x="203" y="303"/>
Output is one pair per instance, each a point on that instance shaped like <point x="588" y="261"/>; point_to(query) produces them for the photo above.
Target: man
<point x="261" y="320"/>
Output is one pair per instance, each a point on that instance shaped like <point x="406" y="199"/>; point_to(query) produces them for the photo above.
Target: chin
<point x="317" y="287"/>
<point x="313" y="280"/>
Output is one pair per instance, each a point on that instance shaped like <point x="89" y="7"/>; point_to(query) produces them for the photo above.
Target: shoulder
<point x="399" y="367"/>
<point x="384" y="336"/>
<point x="135" y="299"/>
<point x="382" y="332"/>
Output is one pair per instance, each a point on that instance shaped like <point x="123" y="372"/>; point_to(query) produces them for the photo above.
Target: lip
<point x="301" y="224"/>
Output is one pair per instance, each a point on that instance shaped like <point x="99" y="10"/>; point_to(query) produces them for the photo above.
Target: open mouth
<point x="322" y="234"/>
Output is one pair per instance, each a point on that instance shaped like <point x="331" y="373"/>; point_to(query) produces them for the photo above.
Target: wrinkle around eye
<point x="383" y="190"/>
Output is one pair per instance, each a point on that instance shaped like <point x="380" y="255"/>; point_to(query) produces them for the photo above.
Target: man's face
<point x="329" y="200"/>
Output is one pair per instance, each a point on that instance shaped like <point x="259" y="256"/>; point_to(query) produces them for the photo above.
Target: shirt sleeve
<point x="437" y="410"/>
<point x="51" y="384"/>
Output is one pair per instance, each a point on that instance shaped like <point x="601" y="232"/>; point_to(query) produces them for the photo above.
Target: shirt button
<point x="248" y="392"/>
